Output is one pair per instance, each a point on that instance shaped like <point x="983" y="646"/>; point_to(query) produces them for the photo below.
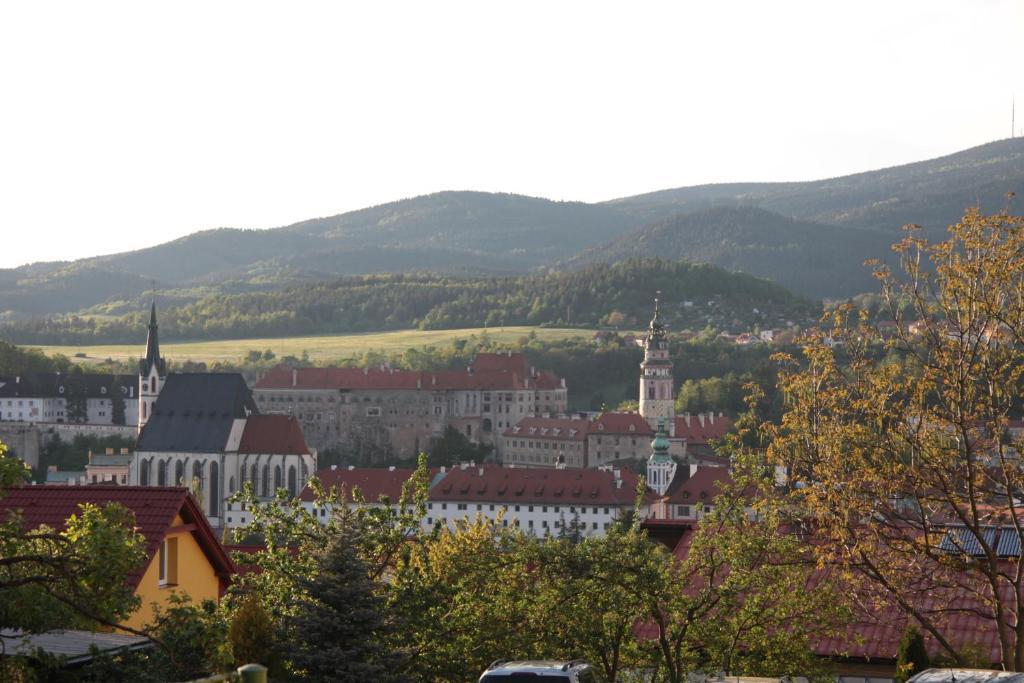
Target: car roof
<point x="538" y="666"/>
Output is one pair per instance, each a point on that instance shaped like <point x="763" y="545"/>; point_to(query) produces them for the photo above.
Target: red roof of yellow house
<point x="155" y="509"/>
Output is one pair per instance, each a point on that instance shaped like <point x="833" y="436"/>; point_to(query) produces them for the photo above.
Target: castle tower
<point x="656" y="396"/>
<point x="152" y="372"/>
<point x="661" y="468"/>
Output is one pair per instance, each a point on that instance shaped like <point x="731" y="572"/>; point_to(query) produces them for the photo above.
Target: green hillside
<point x="618" y="295"/>
<point x="802" y="256"/>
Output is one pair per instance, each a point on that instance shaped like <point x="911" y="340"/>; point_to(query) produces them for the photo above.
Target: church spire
<point x="152" y="359"/>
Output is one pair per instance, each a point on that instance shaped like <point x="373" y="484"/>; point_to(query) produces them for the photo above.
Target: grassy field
<point x="318" y="348"/>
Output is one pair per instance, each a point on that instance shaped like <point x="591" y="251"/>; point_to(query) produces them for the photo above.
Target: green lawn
<point x="319" y="348"/>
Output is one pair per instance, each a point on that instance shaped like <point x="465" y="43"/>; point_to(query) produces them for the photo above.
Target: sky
<point x="124" y="125"/>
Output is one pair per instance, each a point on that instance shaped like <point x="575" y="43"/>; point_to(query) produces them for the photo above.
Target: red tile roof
<point x="699" y="488"/>
<point x="493" y="483"/>
<point x="508" y="362"/>
<point x="495" y="376"/>
<point x="620" y="423"/>
<point x="154" y="507"/>
<point x="700" y="428"/>
<point x="272" y="435"/>
<point x="879" y="623"/>
<point x="558" y="428"/>
<point x="373" y="482"/>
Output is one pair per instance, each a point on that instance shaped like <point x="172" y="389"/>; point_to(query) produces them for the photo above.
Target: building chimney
<point x="391" y="468"/>
<point x="295" y="377"/>
<point x="90" y="456"/>
<point x="51" y="468"/>
<point x="124" y="451"/>
<point x="110" y="451"/>
<point x="481" y="471"/>
<point x="686" y="416"/>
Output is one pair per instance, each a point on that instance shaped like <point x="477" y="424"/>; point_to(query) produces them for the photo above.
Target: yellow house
<point x="184" y="555"/>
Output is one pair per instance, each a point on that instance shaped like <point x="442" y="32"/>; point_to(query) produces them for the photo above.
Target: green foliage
<point x="191" y="641"/>
<point x="74" y="454"/>
<point x="432" y="302"/>
<point x="252" y="636"/>
<point x="911" y="656"/>
<point x="340" y="622"/>
<point x="453" y="447"/>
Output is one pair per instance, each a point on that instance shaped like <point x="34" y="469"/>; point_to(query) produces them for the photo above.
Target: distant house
<point x="546" y="442"/>
<point x="184" y="555"/>
<point x="79" y="398"/>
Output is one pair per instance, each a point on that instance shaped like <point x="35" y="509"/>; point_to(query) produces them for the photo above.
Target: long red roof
<point x="154" y="507"/>
<point x="273" y="435"/>
<point x="558" y="428"/>
<point x="372" y="482"/>
<point x="496" y="484"/>
<point x="700" y="428"/>
<point x="384" y="378"/>
<point x="621" y="423"/>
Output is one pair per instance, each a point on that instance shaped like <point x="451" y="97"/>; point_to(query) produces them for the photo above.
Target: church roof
<point x="152" y="349"/>
<point x="195" y="412"/>
<point x="273" y="435"/>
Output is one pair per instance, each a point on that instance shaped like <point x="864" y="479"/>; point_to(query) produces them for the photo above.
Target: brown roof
<point x="621" y="423"/>
<point x="700" y="487"/>
<point x="558" y="428"/>
<point x="879" y="623"/>
<point x="272" y="434"/>
<point x="154" y="507"/>
<point x="372" y="482"/>
<point x="284" y="377"/>
<point x="493" y="483"/>
<point x="700" y="428"/>
<point x="508" y="361"/>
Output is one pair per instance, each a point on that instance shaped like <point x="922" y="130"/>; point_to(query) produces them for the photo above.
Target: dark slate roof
<point x="152" y="349"/>
<point x="57" y="385"/>
<point x="195" y="411"/>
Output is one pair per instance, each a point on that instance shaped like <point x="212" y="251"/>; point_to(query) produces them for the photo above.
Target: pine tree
<point x="338" y="632"/>
<point x="911" y="657"/>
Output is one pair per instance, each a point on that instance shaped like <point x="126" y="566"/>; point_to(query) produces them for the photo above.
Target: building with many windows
<point x="546" y="442"/>
<point x="77" y="398"/>
<point x="399" y="412"/>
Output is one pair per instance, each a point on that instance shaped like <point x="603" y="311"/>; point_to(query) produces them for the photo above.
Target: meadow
<point x="319" y="348"/>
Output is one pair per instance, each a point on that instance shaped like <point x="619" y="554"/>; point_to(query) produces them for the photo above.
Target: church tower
<point x="661" y="468"/>
<point x="152" y="372"/>
<point x="656" y="384"/>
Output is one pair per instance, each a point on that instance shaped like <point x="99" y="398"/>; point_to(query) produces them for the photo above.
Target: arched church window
<point x="161" y="473"/>
<point x="305" y="474"/>
<point x="214" y="490"/>
<point x="265" y="482"/>
<point x="252" y="478"/>
<point x="231" y="485"/>
<point x="144" y="473"/>
<point x="197" y="473"/>
<point x="179" y="474"/>
<point x="293" y="483"/>
<point x="278" y="478"/>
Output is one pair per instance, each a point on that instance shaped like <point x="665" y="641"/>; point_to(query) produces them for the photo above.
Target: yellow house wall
<point x="196" y="578"/>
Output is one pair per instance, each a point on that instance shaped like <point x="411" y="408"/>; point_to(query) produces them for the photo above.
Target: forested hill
<point x="619" y="295"/>
<point x="802" y="256"/>
<point x="932" y="193"/>
<point x="478" y="233"/>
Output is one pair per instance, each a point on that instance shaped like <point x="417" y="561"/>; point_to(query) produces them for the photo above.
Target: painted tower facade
<point x="152" y="372"/>
<point x="656" y="384"/>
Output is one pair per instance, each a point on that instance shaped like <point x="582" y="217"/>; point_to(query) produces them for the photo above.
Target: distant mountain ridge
<point x="804" y="234"/>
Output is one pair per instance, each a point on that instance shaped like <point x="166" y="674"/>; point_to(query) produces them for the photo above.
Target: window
<point x="144" y="473"/>
<point x="179" y="474"/>
<point x="161" y="473"/>
<point x="682" y="510"/>
<point x="214" y="490"/>
<point x="169" y="562"/>
<point x="278" y="478"/>
<point x="292" y="482"/>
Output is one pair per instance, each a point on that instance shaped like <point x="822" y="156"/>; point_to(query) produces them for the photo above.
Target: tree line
<point x="617" y="294"/>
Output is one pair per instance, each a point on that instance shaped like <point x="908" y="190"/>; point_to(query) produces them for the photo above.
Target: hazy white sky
<point x="127" y="124"/>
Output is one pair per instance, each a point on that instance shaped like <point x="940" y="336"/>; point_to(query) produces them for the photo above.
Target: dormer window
<point x="632" y="428"/>
<point x="600" y="427"/>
